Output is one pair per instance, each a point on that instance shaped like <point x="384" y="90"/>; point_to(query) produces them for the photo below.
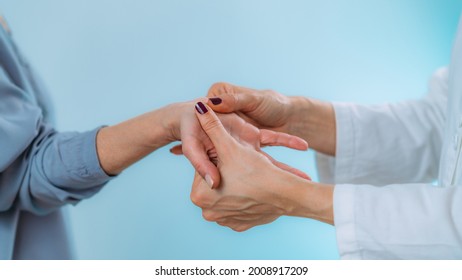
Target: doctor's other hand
<point x="253" y="191"/>
<point x="310" y="119"/>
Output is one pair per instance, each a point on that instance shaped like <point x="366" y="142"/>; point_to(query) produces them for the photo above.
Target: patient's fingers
<point x="177" y="150"/>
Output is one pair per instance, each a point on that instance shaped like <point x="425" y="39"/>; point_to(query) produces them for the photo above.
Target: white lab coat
<point x="387" y="157"/>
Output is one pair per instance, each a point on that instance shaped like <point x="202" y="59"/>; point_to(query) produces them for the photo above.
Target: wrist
<point x="171" y="120"/>
<point x="314" y="121"/>
<point x="296" y="124"/>
<point x="311" y="200"/>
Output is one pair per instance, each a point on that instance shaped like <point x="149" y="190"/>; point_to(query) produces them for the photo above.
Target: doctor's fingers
<point x="236" y="100"/>
<point x="221" y="88"/>
<point x="287" y="168"/>
<point x="201" y="193"/>
<point x="273" y="138"/>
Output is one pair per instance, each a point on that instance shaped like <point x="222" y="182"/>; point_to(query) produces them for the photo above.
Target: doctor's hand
<point x="253" y="190"/>
<point x="310" y="119"/>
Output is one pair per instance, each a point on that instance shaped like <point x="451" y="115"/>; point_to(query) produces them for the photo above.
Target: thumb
<point x="214" y="129"/>
<point x="233" y="102"/>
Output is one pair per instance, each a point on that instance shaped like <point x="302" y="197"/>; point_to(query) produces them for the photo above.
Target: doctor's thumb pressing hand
<point x="253" y="189"/>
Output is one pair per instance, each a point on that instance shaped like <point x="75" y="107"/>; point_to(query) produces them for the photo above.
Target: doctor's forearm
<point x="121" y="145"/>
<point x="314" y="121"/>
<point x="311" y="200"/>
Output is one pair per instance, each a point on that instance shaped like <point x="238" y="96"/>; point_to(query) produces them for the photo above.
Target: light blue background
<point x="106" y="61"/>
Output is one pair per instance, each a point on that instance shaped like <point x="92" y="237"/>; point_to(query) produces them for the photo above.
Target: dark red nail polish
<point x="200" y="108"/>
<point x="216" y="100"/>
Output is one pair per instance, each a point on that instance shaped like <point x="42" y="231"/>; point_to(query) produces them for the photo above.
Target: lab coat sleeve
<point x="40" y="168"/>
<point x="390" y="143"/>
<point x="412" y="221"/>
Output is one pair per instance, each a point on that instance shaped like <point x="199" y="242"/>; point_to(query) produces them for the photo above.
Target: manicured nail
<point x="200" y="108"/>
<point x="209" y="180"/>
<point x="216" y="100"/>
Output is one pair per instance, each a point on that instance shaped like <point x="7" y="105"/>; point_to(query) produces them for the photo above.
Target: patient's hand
<point x="201" y="152"/>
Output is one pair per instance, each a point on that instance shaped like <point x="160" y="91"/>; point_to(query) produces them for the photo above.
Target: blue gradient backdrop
<point x="106" y="61"/>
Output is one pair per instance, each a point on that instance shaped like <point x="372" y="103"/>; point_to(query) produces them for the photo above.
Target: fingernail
<point x="216" y="100"/>
<point x="209" y="180"/>
<point x="200" y="108"/>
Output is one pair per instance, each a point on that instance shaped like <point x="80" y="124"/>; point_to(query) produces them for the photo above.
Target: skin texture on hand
<point x="121" y="145"/>
<point x="253" y="190"/>
<point x="310" y="119"/>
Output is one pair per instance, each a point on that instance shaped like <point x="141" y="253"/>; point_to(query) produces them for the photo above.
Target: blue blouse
<point x="40" y="169"/>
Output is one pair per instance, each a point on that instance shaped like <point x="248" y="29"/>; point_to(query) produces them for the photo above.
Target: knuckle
<point x="234" y="99"/>
<point x="217" y="88"/>
<point x="194" y="198"/>
<point x="209" y="215"/>
<point x="240" y="228"/>
<point x="218" y="85"/>
<point x="198" y="198"/>
<point x="236" y="228"/>
<point x="201" y="196"/>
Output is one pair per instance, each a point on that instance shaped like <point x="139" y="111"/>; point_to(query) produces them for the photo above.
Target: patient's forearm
<point x="123" y="144"/>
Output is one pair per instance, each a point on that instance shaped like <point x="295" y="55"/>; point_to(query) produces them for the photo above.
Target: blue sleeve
<point x="40" y="168"/>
